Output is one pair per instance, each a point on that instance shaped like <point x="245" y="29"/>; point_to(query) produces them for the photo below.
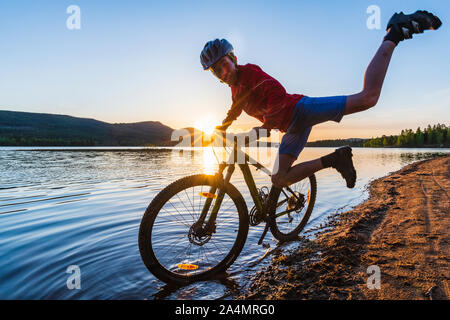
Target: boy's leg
<point x="291" y="146"/>
<point x="373" y="80"/>
<point x="340" y="159"/>
<point x="399" y="28"/>
<point x="287" y="175"/>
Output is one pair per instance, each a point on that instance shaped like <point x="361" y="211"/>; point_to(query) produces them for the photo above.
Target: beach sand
<point x="402" y="230"/>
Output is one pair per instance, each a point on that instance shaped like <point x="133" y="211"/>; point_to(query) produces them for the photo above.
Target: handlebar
<point x="238" y="139"/>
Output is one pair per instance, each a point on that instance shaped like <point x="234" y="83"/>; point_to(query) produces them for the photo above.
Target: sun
<point x="206" y="124"/>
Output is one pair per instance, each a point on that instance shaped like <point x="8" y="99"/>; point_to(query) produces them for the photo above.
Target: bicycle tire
<point x="147" y="223"/>
<point x="274" y="196"/>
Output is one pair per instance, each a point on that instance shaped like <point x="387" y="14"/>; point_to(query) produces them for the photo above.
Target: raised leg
<point x="373" y="80"/>
<point x="399" y="28"/>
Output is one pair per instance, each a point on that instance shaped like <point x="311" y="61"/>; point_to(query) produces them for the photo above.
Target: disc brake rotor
<point x="198" y="239"/>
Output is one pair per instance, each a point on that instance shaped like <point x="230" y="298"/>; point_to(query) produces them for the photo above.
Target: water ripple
<point x="65" y="207"/>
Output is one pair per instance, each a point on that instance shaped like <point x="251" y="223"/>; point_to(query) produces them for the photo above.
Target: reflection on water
<point x="209" y="161"/>
<point x="66" y="206"/>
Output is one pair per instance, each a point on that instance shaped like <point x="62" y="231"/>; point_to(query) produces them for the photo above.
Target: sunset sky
<point x="136" y="60"/>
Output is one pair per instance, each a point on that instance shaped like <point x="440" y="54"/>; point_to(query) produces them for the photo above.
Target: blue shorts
<point x="307" y="113"/>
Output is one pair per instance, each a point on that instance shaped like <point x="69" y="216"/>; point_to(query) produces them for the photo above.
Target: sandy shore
<point x="402" y="229"/>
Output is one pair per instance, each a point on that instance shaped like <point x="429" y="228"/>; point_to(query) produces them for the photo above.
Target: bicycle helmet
<point x="213" y="51"/>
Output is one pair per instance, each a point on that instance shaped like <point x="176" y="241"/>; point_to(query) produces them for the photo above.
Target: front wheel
<point x="169" y="244"/>
<point x="289" y="208"/>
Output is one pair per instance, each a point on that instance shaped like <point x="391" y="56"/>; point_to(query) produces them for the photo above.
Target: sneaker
<point x="416" y="22"/>
<point x="344" y="165"/>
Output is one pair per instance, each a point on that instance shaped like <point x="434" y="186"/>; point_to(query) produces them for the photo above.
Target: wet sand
<point x="403" y="229"/>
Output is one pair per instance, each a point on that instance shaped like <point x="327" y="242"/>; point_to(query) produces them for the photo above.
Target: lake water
<point x="61" y="207"/>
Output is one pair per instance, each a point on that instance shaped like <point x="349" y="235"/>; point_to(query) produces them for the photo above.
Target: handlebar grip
<point x="223" y="127"/>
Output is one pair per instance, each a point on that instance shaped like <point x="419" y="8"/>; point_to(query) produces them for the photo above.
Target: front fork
<point x="210" y="226"/>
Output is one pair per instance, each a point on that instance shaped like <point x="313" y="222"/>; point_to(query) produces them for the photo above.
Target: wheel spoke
<point x="178" y="212"/>
<point x="182" y="222"/>
<point x="187" y="210"/>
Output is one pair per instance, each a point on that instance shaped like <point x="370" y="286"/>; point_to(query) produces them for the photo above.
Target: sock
<point x="394" y="35"/>
<point x="328" y="160"/>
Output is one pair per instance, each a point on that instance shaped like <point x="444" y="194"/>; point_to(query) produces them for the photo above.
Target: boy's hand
<point x="219" y="131"/>
<point x="221" y="128"/>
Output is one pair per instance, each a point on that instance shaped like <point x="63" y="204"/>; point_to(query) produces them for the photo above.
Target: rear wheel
<point x="289" y="209"/>
<point x="169" y="242"/>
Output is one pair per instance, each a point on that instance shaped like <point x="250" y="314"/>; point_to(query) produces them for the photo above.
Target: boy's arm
<point x="232" y="114"/>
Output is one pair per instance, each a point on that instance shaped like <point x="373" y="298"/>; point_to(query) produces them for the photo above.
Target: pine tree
<point x="419" y="138"/>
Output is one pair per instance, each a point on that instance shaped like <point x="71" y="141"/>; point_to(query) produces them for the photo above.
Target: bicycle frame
<point x="237" y="153"/>
<point x="248" y="177"/>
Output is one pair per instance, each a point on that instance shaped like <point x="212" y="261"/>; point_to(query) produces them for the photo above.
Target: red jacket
<point x="262" y="97"/>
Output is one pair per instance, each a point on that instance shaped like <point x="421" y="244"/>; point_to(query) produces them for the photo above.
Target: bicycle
<point x="181" y="242"/>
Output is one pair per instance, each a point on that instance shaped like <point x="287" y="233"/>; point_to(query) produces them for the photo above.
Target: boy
<point x="264" y="98"/>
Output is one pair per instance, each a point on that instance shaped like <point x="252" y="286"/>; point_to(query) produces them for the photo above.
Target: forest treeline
<point x="432" y="136"/>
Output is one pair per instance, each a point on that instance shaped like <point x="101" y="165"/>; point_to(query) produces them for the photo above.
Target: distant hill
<point x="43" y="129"/>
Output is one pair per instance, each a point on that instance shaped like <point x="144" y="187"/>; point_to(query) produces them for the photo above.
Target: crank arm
<point x="263" y="234"/>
